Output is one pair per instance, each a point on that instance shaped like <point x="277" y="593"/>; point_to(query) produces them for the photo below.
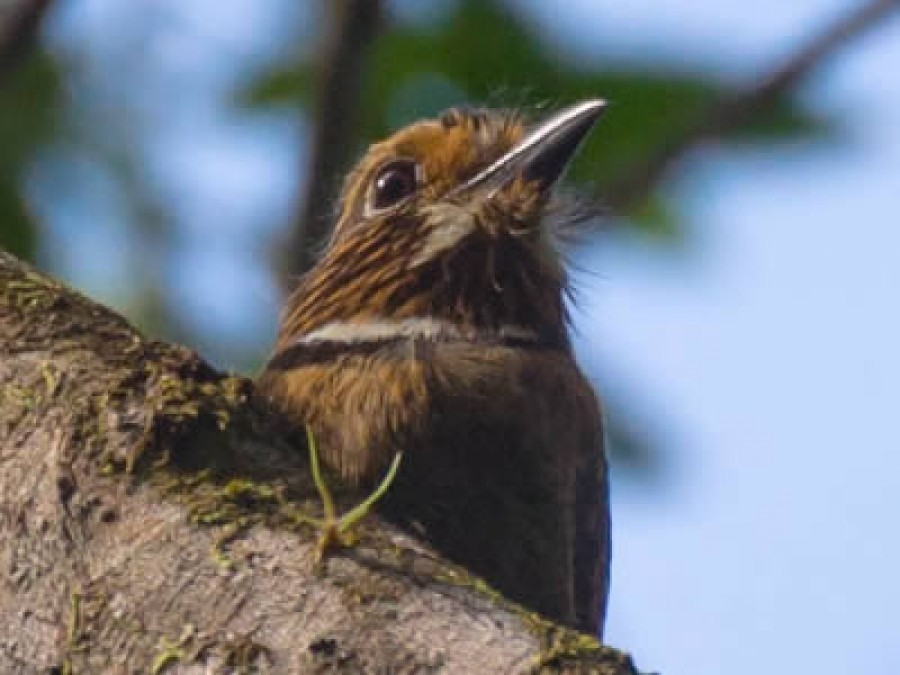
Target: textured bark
<point x="149" y="523"/>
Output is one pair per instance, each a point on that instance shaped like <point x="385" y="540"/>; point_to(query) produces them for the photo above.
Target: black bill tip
<point x="545" y="152"/>
<point x="549" y="148"/>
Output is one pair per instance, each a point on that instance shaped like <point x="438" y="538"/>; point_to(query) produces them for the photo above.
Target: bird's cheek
<point x="447" y="226"/>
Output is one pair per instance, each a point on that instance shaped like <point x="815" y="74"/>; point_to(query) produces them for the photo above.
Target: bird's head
<point x="443" y="229"/>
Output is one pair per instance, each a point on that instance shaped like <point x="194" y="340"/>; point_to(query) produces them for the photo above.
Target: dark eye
<point x="393" y="183"/>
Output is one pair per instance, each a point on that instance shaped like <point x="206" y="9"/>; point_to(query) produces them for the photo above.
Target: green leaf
<point x="659" y="220"/>
<point x="17" y="231"/>
<point x="29" y="99"/>
<point x="288" y="84"/>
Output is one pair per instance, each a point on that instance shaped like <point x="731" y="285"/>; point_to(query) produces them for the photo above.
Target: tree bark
<point x="150" y="522"/>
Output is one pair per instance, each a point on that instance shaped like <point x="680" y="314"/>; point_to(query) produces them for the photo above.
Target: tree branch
<point x="641" y="179"/>
<point x="19" y="23"/>
<point x="351" y="28"/>
<point x="149" y="522"/>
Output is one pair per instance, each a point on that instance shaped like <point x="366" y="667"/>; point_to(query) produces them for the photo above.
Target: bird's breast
<point x="366" y="399"/>
<point x="490" y="433"/>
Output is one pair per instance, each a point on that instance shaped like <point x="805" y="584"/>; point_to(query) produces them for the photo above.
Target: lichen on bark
<point x="150" y="522"/>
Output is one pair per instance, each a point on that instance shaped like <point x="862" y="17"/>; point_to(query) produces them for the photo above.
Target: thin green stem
<point x="362" y="509"/>
<point x="324" y="492"/>
<point x="334" y="531"/>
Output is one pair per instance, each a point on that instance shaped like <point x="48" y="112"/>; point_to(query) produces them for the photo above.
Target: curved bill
<point x="543" y="155"/>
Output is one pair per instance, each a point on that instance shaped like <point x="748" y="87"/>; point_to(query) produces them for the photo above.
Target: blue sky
<point x="770" y="346"/>
<point x="776" y="351"/>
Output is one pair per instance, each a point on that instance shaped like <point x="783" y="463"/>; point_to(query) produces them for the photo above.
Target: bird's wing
<point x="592" y="523"/>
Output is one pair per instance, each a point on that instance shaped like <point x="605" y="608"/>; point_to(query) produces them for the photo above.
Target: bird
<point x="435" y="324"/>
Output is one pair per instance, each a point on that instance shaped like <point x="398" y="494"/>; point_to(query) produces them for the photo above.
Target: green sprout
<point x="336" y="531"/>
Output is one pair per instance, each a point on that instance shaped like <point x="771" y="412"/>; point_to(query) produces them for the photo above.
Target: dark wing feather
<point x="592" y="523"/>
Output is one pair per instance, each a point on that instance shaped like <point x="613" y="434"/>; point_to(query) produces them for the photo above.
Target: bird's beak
<point x="545" y="152"/>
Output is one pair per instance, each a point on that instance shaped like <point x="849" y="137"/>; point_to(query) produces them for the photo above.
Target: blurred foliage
<point x="29" y="99"/>
<point x="632" y="446"/>
<point x="477" y="52"/>
<point x="416" y="71"/>
<point x="466" y="58"/>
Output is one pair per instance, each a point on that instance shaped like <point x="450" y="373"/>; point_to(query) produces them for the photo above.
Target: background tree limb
<point x="19" y="23"/>
<point x="351" y="28"/>
<point x="635" y="184"/>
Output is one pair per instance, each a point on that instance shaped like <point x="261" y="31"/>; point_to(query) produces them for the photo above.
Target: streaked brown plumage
<point x="434" y="323"/>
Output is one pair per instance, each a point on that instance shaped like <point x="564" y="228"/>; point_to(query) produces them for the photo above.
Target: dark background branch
<point x="638" y="182"/>
<point x="351" y="28"/>
<point x="19" y="23"/>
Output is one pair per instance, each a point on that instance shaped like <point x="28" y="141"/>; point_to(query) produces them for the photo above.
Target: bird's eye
<point x="393" y="183"/>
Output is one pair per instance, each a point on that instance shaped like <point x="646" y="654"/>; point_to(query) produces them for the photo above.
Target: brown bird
<point x="435" y="324"/>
